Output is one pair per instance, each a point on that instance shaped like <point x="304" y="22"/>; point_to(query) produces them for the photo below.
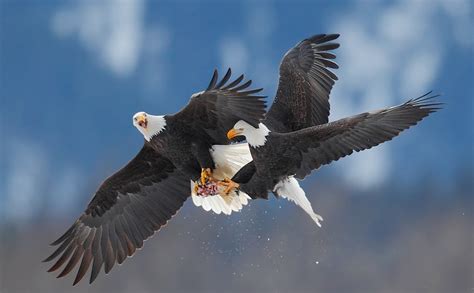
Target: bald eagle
<point x="191" y="145"/>
<point x="141" y="197"/>
<point x="186" y="138"/>
<point x="279" y="158"/>
<point x="302" y="100"/>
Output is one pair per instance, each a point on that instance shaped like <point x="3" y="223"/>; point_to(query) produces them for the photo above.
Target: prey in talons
<point x="229" y="185"/>
<point x="213" y="187"/>
<point x="207" y="185"/>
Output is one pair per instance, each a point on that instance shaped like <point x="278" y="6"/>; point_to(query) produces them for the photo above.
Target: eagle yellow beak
<point x="233" y="133"/>
<point x="142" y="121"/>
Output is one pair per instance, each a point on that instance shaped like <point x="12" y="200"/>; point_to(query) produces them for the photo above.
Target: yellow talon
<point x="196" y="188"/>
<point x="229" y="184"/>
<point x="206" y="174"/>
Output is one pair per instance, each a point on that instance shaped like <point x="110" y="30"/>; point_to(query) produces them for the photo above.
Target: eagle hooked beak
<point x="234" y="133"/>
<point x="142" y="121"/>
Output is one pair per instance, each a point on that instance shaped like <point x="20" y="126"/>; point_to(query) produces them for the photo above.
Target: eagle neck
<point x="257" y="137"/>
<point x="156" y="124"/>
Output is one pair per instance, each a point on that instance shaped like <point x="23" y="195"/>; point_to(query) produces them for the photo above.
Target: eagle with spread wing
<point x="141" y="197"/>
<point x="279" y="158"/>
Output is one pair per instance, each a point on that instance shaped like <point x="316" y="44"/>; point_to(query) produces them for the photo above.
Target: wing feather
<point x="213" y="112"/>
<point x="323" y="144"/>
<point x="234" y="83"/>
<point x="302" y="98"/>
<point x="84" y="266"/>
<point x="127" y="209"/>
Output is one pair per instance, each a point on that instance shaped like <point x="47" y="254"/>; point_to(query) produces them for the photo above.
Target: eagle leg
<point x="196" y="188"/>
<point x="206" y="175"/>
<point x="229" y="184"/>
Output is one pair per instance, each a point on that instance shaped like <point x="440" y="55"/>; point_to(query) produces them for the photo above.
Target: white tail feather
<point x="290" y="189"/>
<point x="228" y="160"/>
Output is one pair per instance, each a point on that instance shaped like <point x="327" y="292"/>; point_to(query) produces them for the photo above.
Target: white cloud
<point x="419" y="73"/>
<point x="25" y="180"/>
<point x="260" y="20"/>
<point x="121" y="50"/>
<point x="32" y="183"/>
<point x="384" y="59"/>
<point x="112" y="30"/>
<point x="64" y="191"/>
<point x="405" y="22"/>
<point x="460" y="12"/>
<point x="249" y="52"/>
<point x="156" y="42"/>
<point x="368" y="57"/>
<point x="234" y="53"/>
<point x="368" y="169"/>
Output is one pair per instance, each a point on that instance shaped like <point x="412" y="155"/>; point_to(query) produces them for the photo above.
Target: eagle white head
<point x="149" y="125"/>
<point x="255" y="136"/>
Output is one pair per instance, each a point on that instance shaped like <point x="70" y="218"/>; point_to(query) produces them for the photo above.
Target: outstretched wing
<point x="216" y="110"/>
<point x="126" y="210"/>
<point x="320" y="145"/>
<point x="302" y="98"/>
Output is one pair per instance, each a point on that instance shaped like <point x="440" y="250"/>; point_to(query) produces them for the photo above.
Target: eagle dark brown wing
<point x="323" y="144"/>
<point x="216" y="110"/>
<point x="126" y="210"/>
<point x="302" y="98"/>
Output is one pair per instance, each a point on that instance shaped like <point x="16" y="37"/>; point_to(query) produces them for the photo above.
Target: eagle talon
<point x="229" y="184"/>
<point x="206" y="175"/>
<point x="196" y="188"/>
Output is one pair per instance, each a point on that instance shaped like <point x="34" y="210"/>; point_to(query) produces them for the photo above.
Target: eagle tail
<point x="290" y="189"/>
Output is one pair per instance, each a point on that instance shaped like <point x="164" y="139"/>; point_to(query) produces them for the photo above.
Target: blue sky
<point x="73" y="73"/>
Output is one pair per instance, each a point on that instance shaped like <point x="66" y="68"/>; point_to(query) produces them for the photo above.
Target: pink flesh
<point x="208" y="189"/>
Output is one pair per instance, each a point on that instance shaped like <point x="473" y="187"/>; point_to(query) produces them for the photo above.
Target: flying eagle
<point x="141" y="197"/>
<point x="279" y="158"/>
<point x="302" y="100"/>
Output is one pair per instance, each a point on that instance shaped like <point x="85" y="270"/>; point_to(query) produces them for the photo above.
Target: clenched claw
<point x="196" y="188"/>
<point x="229" y="184"/>
<point x="206" y="175"/>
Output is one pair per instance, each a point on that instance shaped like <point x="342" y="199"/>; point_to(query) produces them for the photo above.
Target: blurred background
<point x="398" y="218"/>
